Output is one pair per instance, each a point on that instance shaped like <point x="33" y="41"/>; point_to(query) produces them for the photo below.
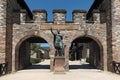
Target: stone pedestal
<point x="59" y="64"/>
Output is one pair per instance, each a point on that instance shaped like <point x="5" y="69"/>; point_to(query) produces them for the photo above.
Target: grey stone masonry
<point x="70" y="32"/>
<point x="23" y="16"/>
<point x="102" y="25"/>
<point x="79" y="16"/>
<point x="40" y="16"/>
<point x="116" y="30"/>
<point x="59" y="16"/>
<point x="2" y="30"/>
<point x="96" y="16"/>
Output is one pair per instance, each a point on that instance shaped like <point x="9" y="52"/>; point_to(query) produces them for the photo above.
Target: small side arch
<point x="92" y="42"/>
<point x="22" y="41"/>
<point x="89" y="36"/>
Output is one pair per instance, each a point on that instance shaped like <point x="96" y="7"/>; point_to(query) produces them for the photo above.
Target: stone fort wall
<point x="2" y="30"/>
<point x="103" y="25"/>
<point x="9" y="14"/>
<point x="110" y="15"/>
<point x="79" y="27"/>
<point x="105" y="10"/>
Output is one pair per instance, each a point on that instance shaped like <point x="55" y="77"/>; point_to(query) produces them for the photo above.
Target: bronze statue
<point x="58" y="43"/>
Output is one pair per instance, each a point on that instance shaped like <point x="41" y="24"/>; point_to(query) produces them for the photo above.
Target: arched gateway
<point x="71" y="32"/>
<point x="87" y="48"/>
<point x="21" y="46"/>
<point x="22" y="51"/>
<point x="97" y="29"/>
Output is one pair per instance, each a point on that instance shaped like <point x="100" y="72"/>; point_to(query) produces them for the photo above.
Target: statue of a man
<point x="58" y="43"/>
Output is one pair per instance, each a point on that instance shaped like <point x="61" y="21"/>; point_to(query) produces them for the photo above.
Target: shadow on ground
<point x="84" y="66"/>
<point x="39" y="67"/>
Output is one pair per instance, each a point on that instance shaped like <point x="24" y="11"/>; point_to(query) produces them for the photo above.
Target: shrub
<point x="35" y="60"/>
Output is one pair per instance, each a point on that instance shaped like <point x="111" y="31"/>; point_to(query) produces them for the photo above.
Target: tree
<point x="35" y="47"/>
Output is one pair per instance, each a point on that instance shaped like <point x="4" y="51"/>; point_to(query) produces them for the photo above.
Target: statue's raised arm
<point x="52" y="31"/>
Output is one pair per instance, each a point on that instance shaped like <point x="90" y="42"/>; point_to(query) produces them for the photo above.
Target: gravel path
<point x="77" y="72"/>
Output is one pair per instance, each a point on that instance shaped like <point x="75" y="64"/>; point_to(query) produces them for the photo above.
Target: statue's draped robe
<point x="58" y="42"/>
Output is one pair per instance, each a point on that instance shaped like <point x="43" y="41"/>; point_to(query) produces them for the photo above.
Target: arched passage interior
<point x="86" y="49"/>
<point x="24" y="53"/>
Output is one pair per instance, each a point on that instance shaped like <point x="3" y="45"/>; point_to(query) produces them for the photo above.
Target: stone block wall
<point x="104" y="7"/>
<point x="104" y="28"/>
<point x="12" y="17"/>
<point x="95" y="55"/>
<point x="70" y="32"/>
<point x="116" y="30"/>
<point x="24" y="56"/>
<point x="59" y="16"/>
<point x="3" y="4"/>
<point x="40" y="16"/>
<point x="79" y="17"/>
<point x="13" y="14"/>
<point x="110" y="9"/>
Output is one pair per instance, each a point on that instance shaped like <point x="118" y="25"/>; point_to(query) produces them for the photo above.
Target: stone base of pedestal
<point x="59" y="64"/>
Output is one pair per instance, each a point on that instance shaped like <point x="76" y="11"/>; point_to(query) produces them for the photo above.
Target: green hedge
<point x="35" y="60"/>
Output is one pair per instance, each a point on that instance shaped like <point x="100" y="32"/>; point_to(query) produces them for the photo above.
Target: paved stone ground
<point x="78" y="72"/>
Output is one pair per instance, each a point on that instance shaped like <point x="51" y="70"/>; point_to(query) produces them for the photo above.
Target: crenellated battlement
<point x="40" y="16"/>
<point x="96" y="34"/>
<point x="59" y="16"/>
<point x="79" y="16"/>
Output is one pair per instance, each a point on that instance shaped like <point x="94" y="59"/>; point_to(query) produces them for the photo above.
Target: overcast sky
<point x="69" y="5"/>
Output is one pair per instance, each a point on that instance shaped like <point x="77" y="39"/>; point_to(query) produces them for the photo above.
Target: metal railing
<point x="3" y="69"/>
<point x="116" y="67"/>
